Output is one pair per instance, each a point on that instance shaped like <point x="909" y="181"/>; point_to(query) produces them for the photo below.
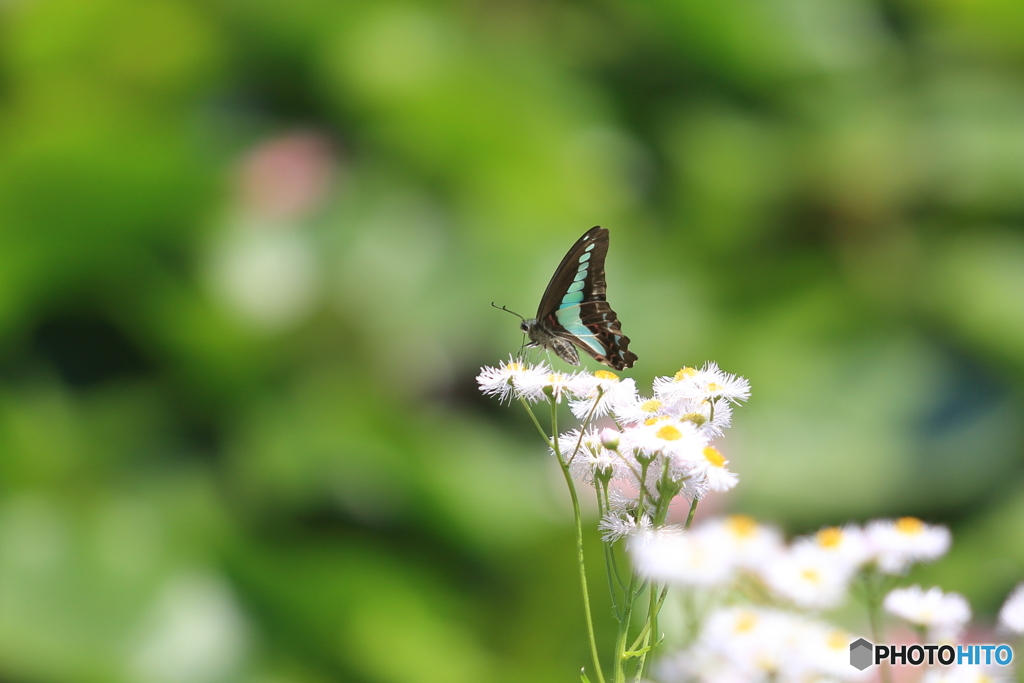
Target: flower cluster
<point x="657" y="444"/>
<point x="761" y="641"/>
<point x="755" y="602"/>
<point x="1011" y="616"/>
<point x="763" y="644"/>
<point x="639" y="453"/>
<point x="813" y="572"/>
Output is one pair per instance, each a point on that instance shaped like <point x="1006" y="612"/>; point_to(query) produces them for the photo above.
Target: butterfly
<point x="573" y="310"/>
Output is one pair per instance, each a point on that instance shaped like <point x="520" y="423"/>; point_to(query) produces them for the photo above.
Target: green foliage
<point x="246" y="256"/>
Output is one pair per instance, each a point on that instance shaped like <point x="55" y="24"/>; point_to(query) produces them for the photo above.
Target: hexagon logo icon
<point x="860" y="654"/>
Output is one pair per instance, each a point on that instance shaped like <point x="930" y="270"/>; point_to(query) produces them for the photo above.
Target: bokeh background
<point x="247" y="252"/>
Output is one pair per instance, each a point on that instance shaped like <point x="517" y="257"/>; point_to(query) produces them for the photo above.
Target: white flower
<point x="808" y="577"/>
<point x="637" y="409"/>
<point x="968" y="674"/>
<point x="846" y="545"/>
<point x="700" y="663"/>
<point x="757" y="641"/>
<point x="943" y="614"/>
<point x="676" y="440"/>
<point x="748" y="543"/>
<point x="710" y="417"/>
<point x="709" y="383"/>
<point x="539" y="386"/>
<point x="747" y="644"/>
<point x="599" y="393"/>
<point x="896" y="545"/>
<point x="711" y="467"/>
<point x="507" y="381"/>
<point x="670" y="555"/>
<point x="587" y="457"/>
<point x="620" y="523"/>
<point x="569" y="441"/>
<point x="825" y="653"/>
<point x="1011" y="616"/>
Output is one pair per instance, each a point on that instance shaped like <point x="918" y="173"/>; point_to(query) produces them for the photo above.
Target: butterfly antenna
<point x="502" y="308"/>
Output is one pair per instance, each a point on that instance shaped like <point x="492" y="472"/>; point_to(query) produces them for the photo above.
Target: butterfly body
<point x="574" y="312"/>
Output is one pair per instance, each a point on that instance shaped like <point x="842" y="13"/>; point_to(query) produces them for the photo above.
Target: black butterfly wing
<point x="574" y="306"/>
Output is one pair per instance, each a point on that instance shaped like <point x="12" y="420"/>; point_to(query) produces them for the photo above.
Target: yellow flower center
<point x="684" y="373"/>
<point x="810" y="575"/>
<point x="909" y="525"/>
<point x="838" y="640"/>
<point x="714" y="456"/>
<point x="518" y="367"/>
<point x="669" y="433"/>
<point x="746" y="621"/>
<point x="715" y="388"/>
<point x="651" y="421"/>
<point x="830" y="537"/>
<point x="696" y="418"/>
<point x="651" y="406"/>
<point x="604" y="374"/>
<point x="741" y="525"/>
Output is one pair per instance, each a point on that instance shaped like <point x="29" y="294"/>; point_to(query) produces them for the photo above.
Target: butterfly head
<point x="527" y="325"/>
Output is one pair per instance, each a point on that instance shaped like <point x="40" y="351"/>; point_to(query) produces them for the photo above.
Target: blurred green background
<point x="247" y="251"/>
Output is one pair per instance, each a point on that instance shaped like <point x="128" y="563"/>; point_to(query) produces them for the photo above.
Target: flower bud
<point x="610" y="439"/>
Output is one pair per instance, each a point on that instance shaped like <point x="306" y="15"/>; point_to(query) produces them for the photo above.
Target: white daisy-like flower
<point x="1011" y="616"/>
<point x="748" y="543"/>
<point x="710" y="417"/>
<point x="693" y="487"/>
<point x="619" y="523"/>
<point x="588" y="458"/>
<point x="671" y="555"/>
<point x="895" y="545"/>
<point x="808" y="577"/>
<point x="702" y="664"/>
<point x="676" y="440"/>
<point x="709" y="383"/>
<point x="968" y="674"/>
<point x="824" y="654"/>
<point x="569" y="441"/>
<point x="554" y="384"/>
<point x="638" y="409"/>
<point x="846" y="545"/>
<point x="943" y="614"/>
<point x="756" y="641"/>
<point x="600" y="393"/>
<point x="761" y="645"/>
<point x="507" y="381"/>
<point x="711" y="467"/>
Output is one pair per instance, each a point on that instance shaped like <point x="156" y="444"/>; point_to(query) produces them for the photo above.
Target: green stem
<point x="647" y="627"/>
<point x="611" y="572"/>
<point x="529" y="411"/>
<point x="693" y="510"/>
<point x="577" y="518"/>
<point x="620" y="640"/>
<point x="648" y="632"/>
